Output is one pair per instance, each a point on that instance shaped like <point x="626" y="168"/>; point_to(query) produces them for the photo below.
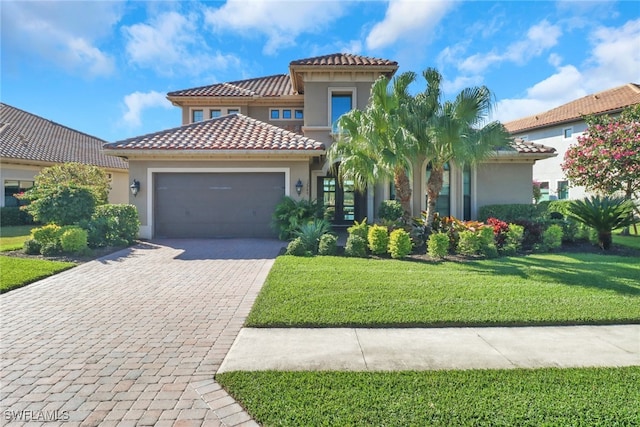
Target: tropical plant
<point x="552" y="237"/>
<point x="470" y="243"/>
<point x="374" y="143"/>
<point x="359" y="229"/>
<point x="74" y="240"/>
<point x="603" y="214"/>
<point x="328" y="244"/>
<point x="452" y="130"/>
<point x="290" y="214"/>
<point x="311" y="232"/>
<point x="356" y="246"/>
<point x="438" y="245"/>
<point x="390" y="210"/>
<point x="296" y="248"/>
<point x="399" y="244"/>
<point x="378" y="239"/>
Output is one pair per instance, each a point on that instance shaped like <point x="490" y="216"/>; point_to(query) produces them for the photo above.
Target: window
<point x="544" y="191"/>
<point x="233" y="111"/>
<point x="568" y="132"/>
<point x="563" y="190"/>
<point x="341" y="102"/>
<point x="197" y="116"/>
<point x="12" y="187"/>
<point x="285" y="114"/>
<point x="215" y="113"/>
<point x="466" y="190"/>
<point x="443" y="204"/>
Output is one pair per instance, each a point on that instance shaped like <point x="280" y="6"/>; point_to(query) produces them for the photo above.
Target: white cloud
<point x="539" y="38"/>
<point x="281" y="22"/>
<point x="614" y="61"/>
<point x="170" y="44"/>
<point x="63" y="33"/>
<point x="136" y="102"/>
<point x="404" y="18"/>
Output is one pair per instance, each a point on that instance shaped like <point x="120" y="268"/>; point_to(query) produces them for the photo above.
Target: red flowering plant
<point x="500" y="229"/>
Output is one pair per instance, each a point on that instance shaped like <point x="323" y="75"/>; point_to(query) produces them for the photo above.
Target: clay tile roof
<point x="609" y="101"/>
<point x="25" y="136"/>
<point x="270" y="86"/>
<point x="231" y="132"/>
<point x="342" y="59"/>
<point x="525" y="147"/>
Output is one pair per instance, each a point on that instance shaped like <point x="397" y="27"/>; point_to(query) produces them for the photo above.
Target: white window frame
<point x="341" y="90"/>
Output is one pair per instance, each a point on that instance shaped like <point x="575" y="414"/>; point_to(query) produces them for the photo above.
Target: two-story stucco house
<point x="245" y="144"/>
<point x="559" y="128"/>
<point x="29" y="143"/>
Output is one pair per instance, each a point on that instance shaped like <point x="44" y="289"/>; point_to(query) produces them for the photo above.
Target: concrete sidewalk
<point x="348" y="349"/>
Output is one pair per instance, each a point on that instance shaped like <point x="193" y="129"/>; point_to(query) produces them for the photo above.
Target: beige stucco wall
<point x="499" y="183"/>
<point x="144" y="170"/>
<point x="119" y="179"/>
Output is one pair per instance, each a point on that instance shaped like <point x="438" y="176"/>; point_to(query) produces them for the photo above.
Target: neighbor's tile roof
<point x="25" y="136"/>
<point x="609" y="101"/>
<point x="525" y="147"/>
<point x="270" y="86"/>
<point x="342" y="59"/>
<point x="231" y="132"/>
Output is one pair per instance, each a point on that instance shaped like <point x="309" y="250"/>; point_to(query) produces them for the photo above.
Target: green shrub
<point x="74" y="240"/>
<point x="390" y="210"/>
<point x="13" y="215"/>
<point x="64" y="204"/>
<point x="328" y="244"/>
<point x="46" y="235"/>
<point x="438" y="245"/>
<point x="112" y="225"/>
<point x="514" y="236"/>
<point x="488" y="246"/>
<point x="356" y="246"/>
<point x="469" y="243"/>
<point x="32" y="247"/>
<point x="511" y="212"/>
<point x="296" y="247"/>
<point x="378" y="239"/>
<point x="290" y="214"/>
<point x="311" y="232"/>
<point x="360" y="229"/>
<point x="552" y="237"/>
<point x="399" y="244"/>
<point x="52" y="248"/>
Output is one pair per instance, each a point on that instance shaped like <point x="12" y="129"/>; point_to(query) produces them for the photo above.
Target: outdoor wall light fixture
<point x="135" y="187"/>
<point x="299" y="187"/>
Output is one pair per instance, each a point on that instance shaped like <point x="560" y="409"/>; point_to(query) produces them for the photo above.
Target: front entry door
<point x="343" y="203"/>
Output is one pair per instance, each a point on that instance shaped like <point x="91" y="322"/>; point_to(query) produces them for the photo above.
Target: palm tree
<point x="374" y="143"/>
<point x="452" y="130"/>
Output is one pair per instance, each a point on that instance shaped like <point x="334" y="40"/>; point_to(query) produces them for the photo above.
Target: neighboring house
<point x="559" y="128"/>
<point x="29" y="143"/>
<point x="243" y="145"/>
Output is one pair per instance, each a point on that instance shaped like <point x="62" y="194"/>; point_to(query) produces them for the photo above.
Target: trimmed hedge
<point x="13" y="215"/>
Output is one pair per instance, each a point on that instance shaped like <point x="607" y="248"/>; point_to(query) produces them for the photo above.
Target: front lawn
<point x="631" y="241"/>
<point x="541" y="289"/>
<point x="13" y="238"/>
<point x="576" y="397"/>
<point x="17" y="272"/>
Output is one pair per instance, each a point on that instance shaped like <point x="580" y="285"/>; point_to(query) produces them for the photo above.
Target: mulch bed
<point x="95" y="253"/>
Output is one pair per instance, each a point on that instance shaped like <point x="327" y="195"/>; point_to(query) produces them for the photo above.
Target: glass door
<point x="343" y="203"/>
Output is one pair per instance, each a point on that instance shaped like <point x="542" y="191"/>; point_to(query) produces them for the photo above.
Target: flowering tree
<point x="606" y="158"/>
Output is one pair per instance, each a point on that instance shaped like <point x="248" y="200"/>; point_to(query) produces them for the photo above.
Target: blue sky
<point x="104" y="67"/>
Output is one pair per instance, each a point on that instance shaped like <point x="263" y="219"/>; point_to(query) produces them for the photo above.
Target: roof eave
<point x="134" y="152"/>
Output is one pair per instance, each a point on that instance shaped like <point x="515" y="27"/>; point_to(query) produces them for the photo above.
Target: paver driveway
<point x="131" y="339"/>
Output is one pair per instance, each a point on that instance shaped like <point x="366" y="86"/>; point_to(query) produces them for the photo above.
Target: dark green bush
<point x="390" y="210"/>
<point x="62" y="205"/>
<point x="399" y="244"/>
<point x="50" y="249"/>
<point x="32" y="247"/>
<point x="112" y="225"/>
<point x="328" y="245"/>
<point x="290" y="214"/>
<point x="356" y="246"/>
<point x="511" y="212"/>
<point x="13" y="215"/>
<point x="378" y="239"/>
<point x="296" y="247"/>
<point x="551" y="238"/>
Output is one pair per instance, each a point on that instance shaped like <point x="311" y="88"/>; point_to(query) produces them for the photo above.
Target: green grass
<point x="17" y="272"/>
<point x="553" y="397"/>
<point x="631" y="241"/>
<point x="541" y="289"/>
<point x="12" y="238"/>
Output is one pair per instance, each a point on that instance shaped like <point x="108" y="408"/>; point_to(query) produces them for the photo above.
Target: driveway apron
<point x="133" y="338"/>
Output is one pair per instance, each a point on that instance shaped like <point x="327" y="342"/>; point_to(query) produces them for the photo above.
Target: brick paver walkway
<point x="131" y="339"/>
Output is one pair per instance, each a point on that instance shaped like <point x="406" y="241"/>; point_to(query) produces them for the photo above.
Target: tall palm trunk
<point x="434" y="185"/>
<point x="403" y="192"/>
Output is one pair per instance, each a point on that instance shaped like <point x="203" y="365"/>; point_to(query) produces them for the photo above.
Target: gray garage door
<point x="216" y="204"/>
